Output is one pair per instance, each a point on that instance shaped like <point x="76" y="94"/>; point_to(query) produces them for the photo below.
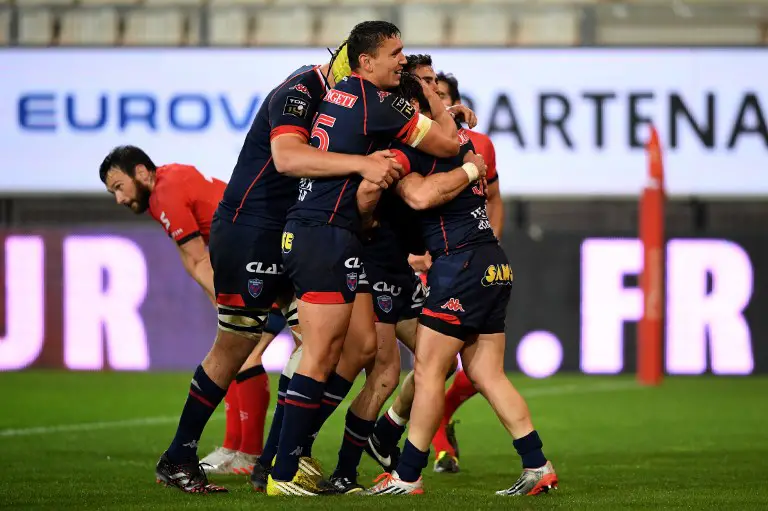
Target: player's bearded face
<point x="140" y="202"/>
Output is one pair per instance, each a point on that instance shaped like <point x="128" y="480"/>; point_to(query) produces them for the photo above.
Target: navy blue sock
<point x="412" y="462"/>
<point x="529" y="449"/>
<point x="356" y="433"/>
<point x="204" y="396"/>
<point x="387" y="433"/>
<point x="270" y="447"/>
<point x="302" y="402"/>
<point x="336" y="389"/>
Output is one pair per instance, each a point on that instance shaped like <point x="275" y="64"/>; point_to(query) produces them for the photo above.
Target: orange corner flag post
<point x="650" y="329"/>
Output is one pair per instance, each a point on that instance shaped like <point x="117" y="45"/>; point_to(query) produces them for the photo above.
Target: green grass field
<point x="90" y="441"/>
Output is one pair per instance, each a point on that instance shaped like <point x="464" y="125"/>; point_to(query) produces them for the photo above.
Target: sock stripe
<point x="201" y="398"/>
<point x="281" y="401"/>
<point x="353" y="441"/>
<point x="333" y="396"/>
<point x="391" y="421"/>
<point x="330" y="403"/>
<point x="301" y="405"/>
<point x="361" y="438"/>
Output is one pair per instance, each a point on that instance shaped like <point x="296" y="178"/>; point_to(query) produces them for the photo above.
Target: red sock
<point x="232" y="406"/>
<point x="461" y="389"/>
<point x="253" y="391"/>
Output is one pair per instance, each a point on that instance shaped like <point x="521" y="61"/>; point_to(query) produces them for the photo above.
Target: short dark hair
<point x="125" y="158"/>
<point x="366" y="38"/>
<point x="452" y="83"/>
<point x="410" y="88"/>
<point x="414" y="61"/>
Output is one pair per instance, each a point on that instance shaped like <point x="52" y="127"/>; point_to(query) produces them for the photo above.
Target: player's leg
<point x="435" y="352"/>
<point x="382" y="376"/>
<point x="325" y="283"/>
<point x="444" y="443"/>
<point x="484" y="364"/>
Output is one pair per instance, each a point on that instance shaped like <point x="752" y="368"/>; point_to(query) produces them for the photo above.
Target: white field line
<point x="555" y="390"/>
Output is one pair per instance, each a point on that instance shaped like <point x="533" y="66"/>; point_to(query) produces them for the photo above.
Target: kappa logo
<point x="463" y="137"/>
<point x="385" y="303"/>
<point x="255" y="286"/>
<point x="477" y="191"/>
<point x="383" y="95"/>
<point x="352" y="281"/>
<point x="340" y="98"/>
<point x="453" y="304"/>
<point x="302" y="88"/>
<point x="497" y="275"/>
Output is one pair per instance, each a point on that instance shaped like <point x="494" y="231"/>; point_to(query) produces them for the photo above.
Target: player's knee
<point x="247" y="323"/>
<point x="485" y="379"/>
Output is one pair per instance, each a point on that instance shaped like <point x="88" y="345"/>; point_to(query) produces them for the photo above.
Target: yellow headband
<point x="340" y="63"/>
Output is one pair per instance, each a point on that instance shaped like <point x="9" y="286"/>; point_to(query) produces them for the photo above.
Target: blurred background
<point x="567" y="90"/>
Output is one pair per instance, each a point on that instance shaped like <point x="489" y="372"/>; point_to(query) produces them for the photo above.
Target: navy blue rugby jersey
<point x="459" y="224"/>
<point x="257" y="194"/>
<point x="397" y="235"/>
<point x="354" y="118"/>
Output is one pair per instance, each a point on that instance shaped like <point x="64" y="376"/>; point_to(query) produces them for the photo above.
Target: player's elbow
<point x="449" y="147"/>
<point x="418" y="200"/>
<point x="285" y="162"/>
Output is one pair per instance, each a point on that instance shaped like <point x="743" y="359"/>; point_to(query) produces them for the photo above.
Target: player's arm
<point x="368" y="196"/>
<point x="440" y="135"/>
<point x="197" y="262"/>
<point x="425" y="192"/>
<point x="495" y="207"/>
<point x="494" y="204"/>
<point x="294" y="157"/>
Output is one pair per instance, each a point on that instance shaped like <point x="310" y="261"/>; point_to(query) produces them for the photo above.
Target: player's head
<point x="375" y="52"/>
<point x="448" y="89"/>
<point x="128" y="173"/>
<point x="410" y="89"/>
<point x="421" y="66"/>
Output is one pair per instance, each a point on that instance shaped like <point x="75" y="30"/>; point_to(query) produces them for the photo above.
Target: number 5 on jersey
<point x="320" y="133"/>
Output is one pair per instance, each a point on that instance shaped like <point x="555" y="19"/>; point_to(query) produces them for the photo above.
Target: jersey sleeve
<point x="490" y="160"/>
<point x="391" y="116"/>
<point x="174" y="212"/>
<point x="291" y="111"/>
<point x="407" y="157"/>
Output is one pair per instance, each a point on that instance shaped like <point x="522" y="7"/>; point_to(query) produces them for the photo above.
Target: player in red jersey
<point x="183" y="201"/>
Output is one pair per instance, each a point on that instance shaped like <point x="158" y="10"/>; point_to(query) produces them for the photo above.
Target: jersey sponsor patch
<point x="405" y="108"/>
<point x="497" y="275"/>
<point x="340" y="98"/>
<point x="296" y="107"/>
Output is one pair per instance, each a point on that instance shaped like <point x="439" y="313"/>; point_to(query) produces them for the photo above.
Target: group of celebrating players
<point x="353" y="174"/>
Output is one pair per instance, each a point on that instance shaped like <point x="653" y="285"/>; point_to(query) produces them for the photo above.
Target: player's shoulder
<point x="172" y="173"/>
<point x="480" y="140"/>
<point x="307" y="81"/>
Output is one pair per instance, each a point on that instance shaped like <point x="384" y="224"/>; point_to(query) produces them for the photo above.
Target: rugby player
<point x="398" y="294"/>
<point x="322" y="249"/>
<point x="382" y="444"/>
<point x="245" y="249"/>
<point x="445" y="444"/>
<point x="183" y="201"/>
<point x="469" y="288"/>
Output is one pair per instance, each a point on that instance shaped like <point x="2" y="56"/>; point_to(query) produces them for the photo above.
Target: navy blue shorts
<point x="324" y="262"/>
<point x="397" y="295"/>
<point x="247" y="266"/>
<point x="468" y="292"/>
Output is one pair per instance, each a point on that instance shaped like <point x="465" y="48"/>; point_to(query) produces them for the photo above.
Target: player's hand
<point x="463" y="112"/>
<point x="420" y="263"/>
<point x="482" y="169"/>
<point x="382" y="169"/>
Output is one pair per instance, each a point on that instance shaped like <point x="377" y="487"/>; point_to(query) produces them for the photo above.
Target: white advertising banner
<point x="565" y="122"/>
